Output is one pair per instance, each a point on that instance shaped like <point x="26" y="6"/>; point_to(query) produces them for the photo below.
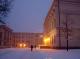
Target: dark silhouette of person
<point x="31" y="47"/>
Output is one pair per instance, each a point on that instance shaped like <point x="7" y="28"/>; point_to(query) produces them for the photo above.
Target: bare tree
<point x="4" y="9"/>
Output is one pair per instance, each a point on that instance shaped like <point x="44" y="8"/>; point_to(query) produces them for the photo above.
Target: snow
<point x="23" y="53"/>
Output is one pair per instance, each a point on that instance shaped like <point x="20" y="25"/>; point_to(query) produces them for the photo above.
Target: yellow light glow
<point x="24" y="45"/>
<point x="20" y="45"/>
<point x="46" y="41"/>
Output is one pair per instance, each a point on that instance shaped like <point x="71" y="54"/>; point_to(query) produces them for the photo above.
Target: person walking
<point x="31" y="47"/>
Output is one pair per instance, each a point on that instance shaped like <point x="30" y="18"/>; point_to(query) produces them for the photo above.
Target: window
<point x="0" y="35"/>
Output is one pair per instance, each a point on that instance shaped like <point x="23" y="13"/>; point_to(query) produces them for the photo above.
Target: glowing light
<point x="20" y="45"/>
<point x="24" y="45"/>
<point x="47" y="41"/>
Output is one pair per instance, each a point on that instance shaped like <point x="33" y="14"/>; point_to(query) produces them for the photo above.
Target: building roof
<point x="5" y="27"/>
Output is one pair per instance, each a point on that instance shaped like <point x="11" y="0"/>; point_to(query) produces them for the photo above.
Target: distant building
<point x="62" y="23"/>
<point x="5" y="36"/>
<point x="27" y="38"/>
<point x="9" y="39"/>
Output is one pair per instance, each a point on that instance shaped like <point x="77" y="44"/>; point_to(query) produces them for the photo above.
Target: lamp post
<point x="59" y="23"/>
<point x="67" y="30"/>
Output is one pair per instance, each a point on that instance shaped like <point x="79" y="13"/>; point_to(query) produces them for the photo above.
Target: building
<point x="10" y="39"/>
<point x="62" y="25"/>
<point x="27" y="38"/>
<point x="5" y="36"/>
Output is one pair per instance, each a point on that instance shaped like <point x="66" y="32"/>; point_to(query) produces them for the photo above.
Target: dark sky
<point x="28" y="15"/>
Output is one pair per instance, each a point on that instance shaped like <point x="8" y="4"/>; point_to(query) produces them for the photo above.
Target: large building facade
<point x="10" y="39"/>
<point x="29" y="39"/>
<point x="62" y="23"/>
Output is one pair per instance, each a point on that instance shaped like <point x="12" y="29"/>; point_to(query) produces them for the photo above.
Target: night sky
<point x="28" y="15"/>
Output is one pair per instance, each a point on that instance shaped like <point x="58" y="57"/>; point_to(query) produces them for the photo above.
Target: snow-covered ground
<point x="18" y="53"/>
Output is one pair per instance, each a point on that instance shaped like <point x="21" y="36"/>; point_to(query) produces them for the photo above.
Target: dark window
<point x="0" y="35"/>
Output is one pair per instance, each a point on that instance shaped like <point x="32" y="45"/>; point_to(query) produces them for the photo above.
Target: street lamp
<point x="67" y="30"/>
<point x="59" y="23"/>
<point x="20" y="45"/>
